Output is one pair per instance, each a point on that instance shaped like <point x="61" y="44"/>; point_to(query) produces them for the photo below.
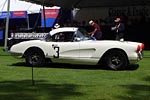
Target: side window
<point x="63" y="37"/>
<point x="69" y="36"/>
<point x="59" y="37"/>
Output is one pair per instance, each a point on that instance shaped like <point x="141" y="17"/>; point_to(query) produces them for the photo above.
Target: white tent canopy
<point x="16" y="5"/>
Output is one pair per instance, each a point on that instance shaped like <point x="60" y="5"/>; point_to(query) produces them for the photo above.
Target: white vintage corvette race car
<point x="71" y="45"/>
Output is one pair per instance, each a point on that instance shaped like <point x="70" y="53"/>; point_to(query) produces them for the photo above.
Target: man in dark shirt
<point x="119" y="28"/>
<point x="96" y="33"/>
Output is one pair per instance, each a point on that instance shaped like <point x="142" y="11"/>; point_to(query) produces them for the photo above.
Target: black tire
<point x="116" y="60"/>
<point x="35" y="58"/>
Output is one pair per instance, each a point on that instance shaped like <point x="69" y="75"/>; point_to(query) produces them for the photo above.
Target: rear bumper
<point x="136" y="57"/>
<point x="140" y="54"/>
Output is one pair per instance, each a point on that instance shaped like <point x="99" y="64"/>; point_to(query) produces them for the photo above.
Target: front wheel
<point x="35" y="58"/>
<point x="116" y="60"/>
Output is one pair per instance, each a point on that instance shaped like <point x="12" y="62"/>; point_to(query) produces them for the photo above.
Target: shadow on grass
<point x="132" y="67"/>
<point x="62" y="65"/>
<point x="137" y="91"/>
<point x="22" y="90"/>
<point x="4" y="55"/>
<point x="76" y="66"/>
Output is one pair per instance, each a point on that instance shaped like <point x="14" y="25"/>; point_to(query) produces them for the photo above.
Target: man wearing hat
<point x="97" y="33"/>
<point x="56" y="25"/>
<point x="119" y="28"/>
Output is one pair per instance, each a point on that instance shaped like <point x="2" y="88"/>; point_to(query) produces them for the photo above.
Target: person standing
<point x="96" y="33"/>
<point x="56" y="26"/>
<point x="119" y="28"/>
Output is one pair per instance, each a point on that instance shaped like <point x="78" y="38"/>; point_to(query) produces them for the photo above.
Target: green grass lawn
<point x="70" y="82"/>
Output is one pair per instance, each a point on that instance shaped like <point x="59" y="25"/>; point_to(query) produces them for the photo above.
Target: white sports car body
<point x="71" y="45"/>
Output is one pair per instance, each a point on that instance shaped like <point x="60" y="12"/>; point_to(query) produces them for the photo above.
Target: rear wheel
<point x="35" y="58"/>
<point x="116" y="60"/>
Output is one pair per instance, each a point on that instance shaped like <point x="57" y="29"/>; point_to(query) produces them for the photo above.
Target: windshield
<point x="79" y="35"/>
<point x="82" y="34"/>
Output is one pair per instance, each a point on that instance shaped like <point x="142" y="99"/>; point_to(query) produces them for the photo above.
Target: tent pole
<point x="28" y="22"/>
<point x="44" y="16"/>
<point x="7" y="25"/>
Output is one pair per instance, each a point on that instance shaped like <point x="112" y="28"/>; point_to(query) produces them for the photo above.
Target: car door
<point x="64" y="49"/>
<point x="87" y="52"/>
<point x="87" y="48"/>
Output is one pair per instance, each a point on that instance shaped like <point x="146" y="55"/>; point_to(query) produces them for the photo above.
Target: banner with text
<point x="14" y="14"/>
<point x="49" y="17"/>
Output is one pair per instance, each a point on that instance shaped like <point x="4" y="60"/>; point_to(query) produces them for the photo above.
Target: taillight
<point x="138" y="48"/>
<point x="142" y="46"/>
